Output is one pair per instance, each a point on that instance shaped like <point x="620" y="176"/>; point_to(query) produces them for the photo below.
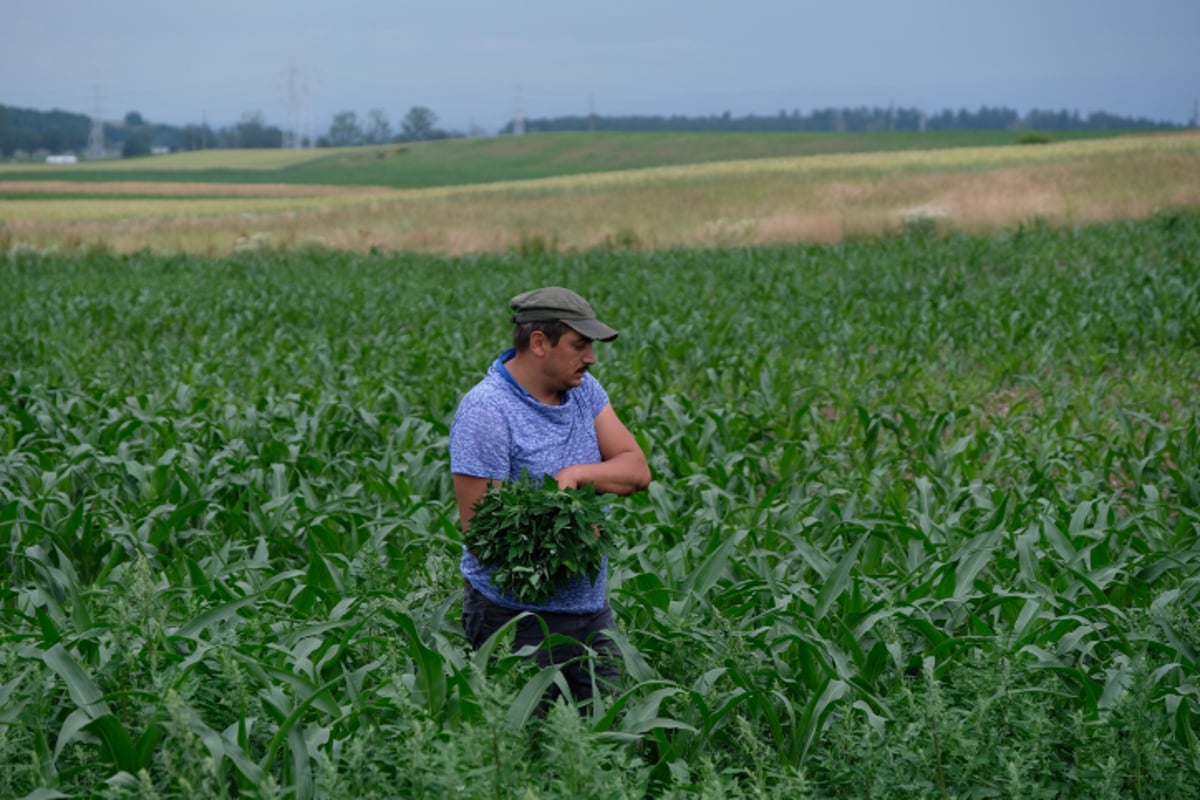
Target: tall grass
<point x="924" y="524"/>
<point x="763" y="201"/>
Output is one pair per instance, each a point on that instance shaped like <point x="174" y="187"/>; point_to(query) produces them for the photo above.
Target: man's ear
<point x="538" y="343"/>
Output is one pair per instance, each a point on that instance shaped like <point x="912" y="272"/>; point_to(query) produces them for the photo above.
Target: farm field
<point x="925" y="519"/>
<point x="455" y="162"/>
<point x="569" y="193"/>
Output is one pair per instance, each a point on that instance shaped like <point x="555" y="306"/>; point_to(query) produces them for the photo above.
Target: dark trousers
<point x="482" y="618"/>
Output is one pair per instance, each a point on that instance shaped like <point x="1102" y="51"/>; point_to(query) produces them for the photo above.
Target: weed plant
<point x="924" y="523"/>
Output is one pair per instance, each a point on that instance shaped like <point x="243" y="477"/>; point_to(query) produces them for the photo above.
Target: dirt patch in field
<point x="118" y="188"/>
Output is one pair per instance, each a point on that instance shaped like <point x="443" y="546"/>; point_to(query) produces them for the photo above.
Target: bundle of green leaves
<point x="537" y="536"/>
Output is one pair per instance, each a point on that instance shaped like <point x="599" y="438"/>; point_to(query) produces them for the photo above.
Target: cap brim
<point x="592" y="329"/>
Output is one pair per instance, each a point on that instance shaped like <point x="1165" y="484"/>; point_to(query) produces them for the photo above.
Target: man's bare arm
<point x="467" y="491"/>
<point x="622" y="469"/>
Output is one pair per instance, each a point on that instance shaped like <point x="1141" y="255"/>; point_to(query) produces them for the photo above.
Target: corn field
<point x="924" y="523"/>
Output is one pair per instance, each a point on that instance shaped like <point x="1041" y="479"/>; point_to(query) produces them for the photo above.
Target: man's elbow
<point x="625" y="474"/>
<point x="642" y="477"/>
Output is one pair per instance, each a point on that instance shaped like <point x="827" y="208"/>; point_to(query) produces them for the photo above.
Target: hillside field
<point x="581" y="192"/>
<point x="457" y="162"/>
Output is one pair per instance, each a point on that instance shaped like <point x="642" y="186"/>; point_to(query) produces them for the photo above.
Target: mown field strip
<point x="119" y="188"/>
<point x="196" y="160"/>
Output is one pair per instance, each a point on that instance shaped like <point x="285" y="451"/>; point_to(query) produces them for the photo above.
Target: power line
<point x="95" y="147"/>
<point x="299" y="122"/>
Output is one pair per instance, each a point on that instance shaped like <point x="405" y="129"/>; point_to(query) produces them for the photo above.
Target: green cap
<point x="555" y="304"/>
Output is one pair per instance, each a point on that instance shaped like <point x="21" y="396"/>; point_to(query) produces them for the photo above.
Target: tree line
<point x="854" y="120"/>
<point x="54" y="131"/>
<point x="419" y="124"/>
<point x="30" y="131"/>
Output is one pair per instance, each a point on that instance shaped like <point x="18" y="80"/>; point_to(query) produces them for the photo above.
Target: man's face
<point x="570" y="359"/>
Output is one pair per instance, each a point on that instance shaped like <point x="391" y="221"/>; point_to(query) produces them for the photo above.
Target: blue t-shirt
<point x="501" y="430"/>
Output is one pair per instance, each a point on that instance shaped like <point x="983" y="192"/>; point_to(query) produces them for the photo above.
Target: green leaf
<point x="118" y="745"/>
<point x="532" y="695"/>
<point x="837" y="581"/>
<point x="44" y="794"/>
<point x="213" y="616"/>
<point x="83" y="691"/>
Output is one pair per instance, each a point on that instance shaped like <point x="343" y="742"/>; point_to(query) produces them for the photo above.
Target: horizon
<point x="477" y="64"/>
<point x="1023" y="113"/>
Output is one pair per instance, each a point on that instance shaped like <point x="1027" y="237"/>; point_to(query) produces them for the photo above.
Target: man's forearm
<point x="623" y="474"/>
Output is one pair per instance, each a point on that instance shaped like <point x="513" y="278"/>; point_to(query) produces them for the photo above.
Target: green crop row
<point x="456" y="162"/>
<point x="925" y="523"/>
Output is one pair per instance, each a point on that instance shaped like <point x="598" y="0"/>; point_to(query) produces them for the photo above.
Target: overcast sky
<point x="476" y="62"/>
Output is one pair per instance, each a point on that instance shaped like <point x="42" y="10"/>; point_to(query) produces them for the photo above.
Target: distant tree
<point x="247" y="131"/>
<point x="379" y="130"/>
<point x="418" y="124"/>
<point x="134" y="120"/>
<point x="137" y="144"/>
<point x="29" y="141"/>
<point x="197" y="137"/>
<point x="54" y="140"/>
<point x="253" y="131"/>
<point x="345" y="130"/>
<point x="7" y="140"/>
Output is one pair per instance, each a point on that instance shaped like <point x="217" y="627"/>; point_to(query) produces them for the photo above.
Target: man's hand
<point x="570" y="477"/>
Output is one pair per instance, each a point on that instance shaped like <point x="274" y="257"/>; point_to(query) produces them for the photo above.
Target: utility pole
<point x="95" y="148"/>
<point x="298" y="132"/>
<point x="518" y="116"/>
<point x="292" y="139"/>
<point x="306" y="111"/>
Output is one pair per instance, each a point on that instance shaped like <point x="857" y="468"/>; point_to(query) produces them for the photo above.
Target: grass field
<point x="503" y="158"/>
<point x="763" y="200"/>
<point x="924" y="523"/>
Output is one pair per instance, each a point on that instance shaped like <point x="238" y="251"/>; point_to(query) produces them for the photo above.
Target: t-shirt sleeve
<point x="594" y="396"/>
<point x="480" y="441"/>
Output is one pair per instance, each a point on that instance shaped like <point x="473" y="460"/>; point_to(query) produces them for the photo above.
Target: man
<point x="539" y="410"/>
